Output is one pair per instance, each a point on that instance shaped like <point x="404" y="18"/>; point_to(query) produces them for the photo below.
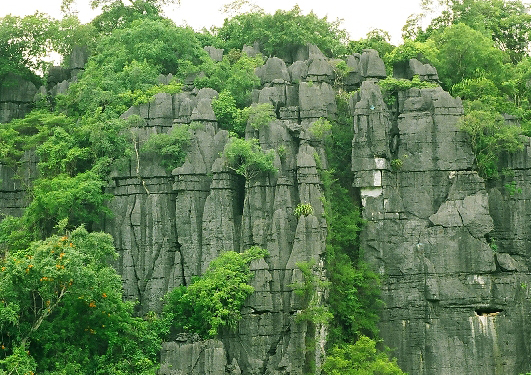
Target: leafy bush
<point x="391" y="84"/>
<point x="490" y="136"/>
<point x="320" y="128"/>
<point x="311" y="290"/>
<point x="258" y="115"/>
<point x="246" y="158"/>
<point x="234" y="74"/>
<point x="361" y="357"/>
<point x="303" y="209"/>
<point x="214" y="300"/>
<point x="170" y="148"/>
<point x="78" y="199"/>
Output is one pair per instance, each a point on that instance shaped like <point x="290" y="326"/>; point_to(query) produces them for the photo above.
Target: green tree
<point x="361" y="358"/>
<point x="506" y="22"/>
<point x="278" y="33"/>
<point x="375" y="39"/>
<point x="246" y="158"/>
<point x="24" y="43"/>
<point x="61" y="308"/>
<point x="489" y="137"/>
<point x="215" y="299"/>
<point x="466" y="53"/>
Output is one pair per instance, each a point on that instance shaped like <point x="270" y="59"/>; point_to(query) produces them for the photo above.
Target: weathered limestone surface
<point x="168" y="227"/>
<point x="453" y="252"/>
<point x="453" y="249"/>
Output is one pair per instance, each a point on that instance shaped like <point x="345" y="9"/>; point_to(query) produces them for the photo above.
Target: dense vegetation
<point x="61" y="306"/>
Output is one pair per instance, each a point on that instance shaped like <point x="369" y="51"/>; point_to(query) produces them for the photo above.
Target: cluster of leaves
<point x="278" y="33"/>
<point x="490" y="136"/>
<point x="320" y="128"/>
<point x="235" y="120"/>
<point x="247" y="158"/>
<point x="235" y="74"/>
<point x="362" y="357"/>
<point x="310" y="290"/>
<point x="61" y="309"/>
<point x="480" y="50"/>
<point x="171" y="147"/>
<point x="354" y="289"/>
<point x="303" y="209"/>
<point x="128" y="62"/>
<point x="215" y="299"/>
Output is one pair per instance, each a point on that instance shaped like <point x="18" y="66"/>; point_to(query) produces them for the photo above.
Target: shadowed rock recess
<point x="453" y="251"/>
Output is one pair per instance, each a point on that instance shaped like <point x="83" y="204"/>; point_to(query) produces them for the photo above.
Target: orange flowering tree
<point x="61" y="304"/>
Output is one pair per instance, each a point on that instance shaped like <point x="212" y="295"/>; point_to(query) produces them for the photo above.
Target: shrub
<point x="246" y="158"/>
<point x="303" y="209"/>
<point x="170" y="148"/>
<point x="361" y="357"/>
<point x="215" y="299"/>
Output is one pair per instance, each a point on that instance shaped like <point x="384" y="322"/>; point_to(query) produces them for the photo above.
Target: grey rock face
<point x="16" y="97"/>
<point x="414" y="67"/>
<point x="430" y="229"/>
<point x="372" y="66"/>
<point x="215" y="54"/>
<point x="205" y="208"/>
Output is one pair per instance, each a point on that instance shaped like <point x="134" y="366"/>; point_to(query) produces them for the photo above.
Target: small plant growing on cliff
<point x="396" y="164"/>
<point x="490" y="136"/>
<point x="362" y="357"/>
<point x="258" y="115"/>
<point x="170" y="148"/>
<point x="310" y="290"/>
<point x="303" y="209"/>
<point x="246" y="158"/>
<point x="512" y="189"/>
<point x="281" y="151"/>
<point x="320" y="128"/>
<point x="215" y="299"/>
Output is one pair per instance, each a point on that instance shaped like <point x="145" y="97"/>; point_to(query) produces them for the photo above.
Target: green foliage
<point x="214" y="300"/>
<point x="303" y="209"/>
<point x="233" y="119"/>
<point x="246" y="158"/>
<point x="62" y="145"/>
<point x="511" y="188"/>
<point x="359" y="358"/>
<point x="396" y="164"/>
<point x="466" y="53"/>
<point x="258" y="115"/>
<point x="354" y="288"/>
<point x="234" y="74"/>
<point x="78" y="199"/>
<point x="140" y="96"/>
<point x="227" y="113"/>
<point x="320" y="128"/>
<point x="506" y="23"/>
<point x="422" y="51"/>
<point x="490" y="136"/>
<point x="24" y="42"/>
<point x="61" y="308"/>
<point x="278" y="33"/>
<point x="310" y="290"/>
<point x="375" y="39"/>
<point x="129" y="60"/>
<point x="170" y="148"/>
<point x="391" y="84"/>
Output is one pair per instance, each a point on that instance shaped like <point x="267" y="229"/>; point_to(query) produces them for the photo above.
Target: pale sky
<point x="358" y="16"/>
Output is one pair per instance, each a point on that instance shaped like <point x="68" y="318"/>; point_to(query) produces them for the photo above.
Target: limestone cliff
<point x="453" y="251"/>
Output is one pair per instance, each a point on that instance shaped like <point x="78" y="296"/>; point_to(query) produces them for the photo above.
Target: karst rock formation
<point x="453" y="250"/>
